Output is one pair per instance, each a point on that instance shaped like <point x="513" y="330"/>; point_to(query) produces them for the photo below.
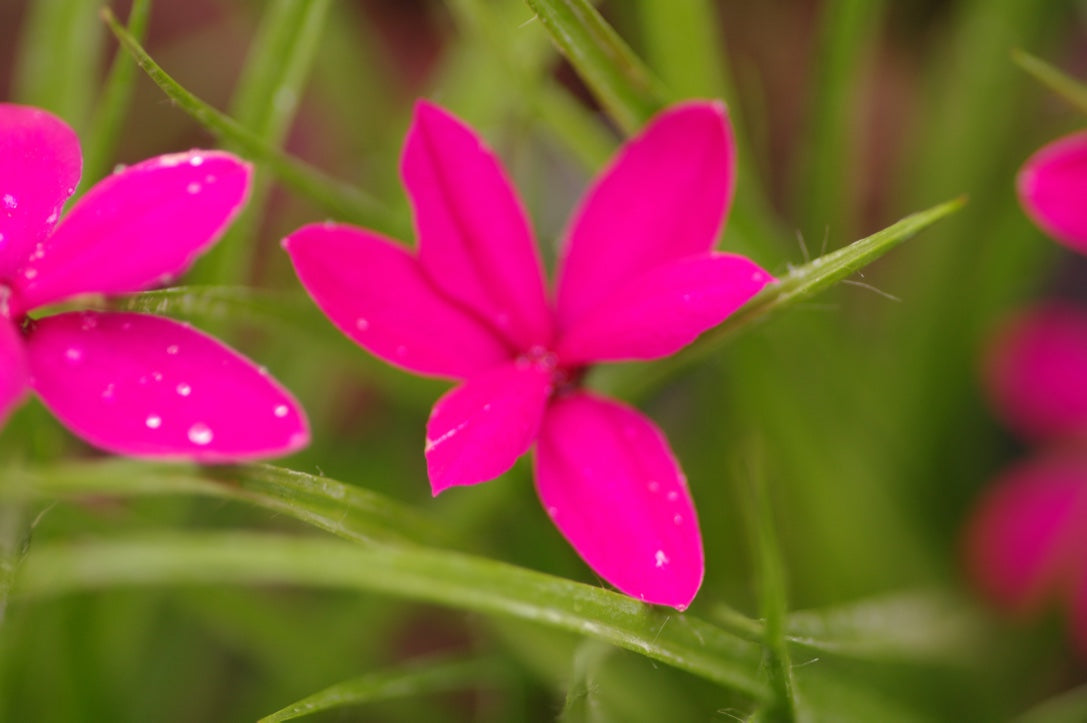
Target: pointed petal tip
<point x="1050" y="186"/>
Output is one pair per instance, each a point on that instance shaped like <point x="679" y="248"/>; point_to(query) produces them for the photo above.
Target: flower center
<point x="563" y="378"/>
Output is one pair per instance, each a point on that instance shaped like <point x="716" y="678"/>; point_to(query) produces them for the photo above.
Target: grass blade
<point x="421" y="677"/>
<point x="619" y="80"/>
<point x="1064" y="85"/>
<point x="339" y="199"/>
<point x="350" y="512"/>
<point x="108" y="119"/>
<point x="444" y="578"/>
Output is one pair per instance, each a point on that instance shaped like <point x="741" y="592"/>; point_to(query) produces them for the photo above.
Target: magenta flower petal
<point x="1019" y="542"/>
<point x="40" y="165"/>
<point x="663" y="198"/>
<point x="1052" y="187"/>
<point x="664" y="309"/>
<point x="479" y="429"/>
<point x="609" y="482"/>
<point x="1036" y="371"/>
<point x="151" y="387"/>
<point x="377" y="294"/>
<point x="137" y="227"/>
<point x="13" y="371"/>
<point x="474" y="239"/>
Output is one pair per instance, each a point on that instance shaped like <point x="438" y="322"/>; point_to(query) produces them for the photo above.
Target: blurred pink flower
<point x="638" y="280"/>
<point x="1053" y="189"/>
<point x="1035" y="372"/>
<point x="129" y="383"/>
<point x="1026" y="544"/>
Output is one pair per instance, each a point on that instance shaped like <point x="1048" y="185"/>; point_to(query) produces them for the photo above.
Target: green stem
<point x="1064" y="85"/>
<point x="339" y="199"/>
<point x="444" y="578"/>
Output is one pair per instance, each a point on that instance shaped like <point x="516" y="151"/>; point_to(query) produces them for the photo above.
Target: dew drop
<point x="30" y="273"/>
<point x="154" y="421"/>
<point x="654" y="486"/>
<point x="362" y="324"/>
<point x="194" y="187"/>
<point x="756" y="277"/>
<point x="52" y="218"/>
<point x="196" y="161"/>
<point x="184" y="389"/>
<point x="89" y="322"/>
<point x="39" y="251"/>
<point x="678" y="519"/>
<point x="552" y="510"/>
<point x="157" y="376"/>
<point x="107" y="393"/>
<point x="73" y="355"/>
<point x="210" y="178"/>
<point x="119" y="167"/>
<point x="281" y="411"/>
<point x="200" y="434"/>
<point x="10" y="202"/>
<point x="172" y="349"/>
<point x="660" y="558"/>
<point x="673" y="496"/>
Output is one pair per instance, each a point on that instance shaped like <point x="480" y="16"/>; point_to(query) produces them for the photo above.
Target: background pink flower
<point x="1052" y="187"/>
<point x="637" y="280"/>
<point x="129" y="383"/>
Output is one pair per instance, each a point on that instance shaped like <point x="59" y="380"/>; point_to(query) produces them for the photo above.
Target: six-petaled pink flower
<point x="1027" y="541"/>
<point x="128" y="383"/>
<point x="1052" y="187"/>
<point x="637" y="280"/>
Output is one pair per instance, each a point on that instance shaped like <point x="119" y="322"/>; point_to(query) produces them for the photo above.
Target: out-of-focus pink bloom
<point x="128" y="383"/>
<point x="1027" y="542"/>
<point x="1053" y="190"/>
<point x="1036" y="372"/>
<point x="638" y="280"/>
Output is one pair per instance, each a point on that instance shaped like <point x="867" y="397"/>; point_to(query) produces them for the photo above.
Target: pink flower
<point x="1026" y="544"/>
<point x="1053" y="190"/>
<point x="129" y="383"/>
<point x="637" y="281"/>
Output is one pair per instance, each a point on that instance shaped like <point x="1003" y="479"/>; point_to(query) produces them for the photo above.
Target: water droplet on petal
<point x="756" y="277"/>
<point x="660" y="558"/>
<point x="362" y="324"/>
<point x="154" y="421"/>
<point x="30" y="273"/>
<point x="52" y="219"/>
<point x="200" y="434"/>
<point x="678" y="519"/>
<point x="119" y="167"/>
<point x="196" y="161"/>
<point x="552" y="510"/>
<point x="157" y="376"/>
<point x="281" y="411"/>
<point x="172" y="349"/>
<point x="107" y="393"/>
<point x="673" y="496"/>
<point x="193" y="187"/>
<point x="73" y="355"/>
<point x="89" y="322"/>
<point x="654" y="486"/>
<point x="184" y="389"/>
<point x="10" y="202"/>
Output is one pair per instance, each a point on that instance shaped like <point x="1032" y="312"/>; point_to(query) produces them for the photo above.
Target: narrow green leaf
<point x="108" y="119"/>
<point x="265" y="103"/>
<point x="339" y="199"/>
<point x="344" y="510"/>
<point x="454" y="580"/>
<point x="848" y="30"/>
<point x="1069" y="707"/>
<point x="1064" y="85"/>
<point x="619" y="80"/>
<point x="773" y="601"/>
<point x="683" y="46"/>
<point x="799" y="284"/>
<point x="56" y="66"/>
<point x="420" y="677"/>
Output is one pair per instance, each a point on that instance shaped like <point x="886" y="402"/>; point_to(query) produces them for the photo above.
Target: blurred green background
<point x="857" y="413"/>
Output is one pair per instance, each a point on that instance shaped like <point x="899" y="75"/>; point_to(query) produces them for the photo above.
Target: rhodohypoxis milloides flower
<point x="1027" y="542"/>
<point x="128" y="383"/>
<point x="637" y="280"/>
